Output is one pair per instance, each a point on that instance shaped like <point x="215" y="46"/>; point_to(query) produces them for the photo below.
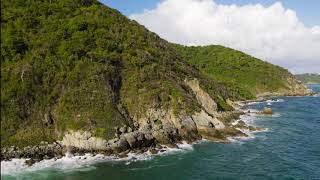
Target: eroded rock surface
<point x="203" y="119"/>
<point x="83" y="140"/>
<point x="203" y="97"/>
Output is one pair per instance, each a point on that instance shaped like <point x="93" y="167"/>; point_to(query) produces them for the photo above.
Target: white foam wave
<point x="274" y="100"/>
<point x="269" y="101"/>
<point x="256" y="102"/>
<point x="276" y="115"/>
<point x="250" y="119"/>
<point x="316" y="95"/>
<point x="242" y="139"/>
<point x="250" y="135"/>
<point x="69" y="162"/>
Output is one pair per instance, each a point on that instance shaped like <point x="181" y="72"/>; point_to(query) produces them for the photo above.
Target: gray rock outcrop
<point x="83" y="140"/>
<point x="203" y="97"/>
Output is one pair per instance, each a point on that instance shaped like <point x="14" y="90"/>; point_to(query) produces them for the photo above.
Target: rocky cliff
<point x="83" y="78"/>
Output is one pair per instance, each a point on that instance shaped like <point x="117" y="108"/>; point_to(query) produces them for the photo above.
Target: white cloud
<point x="272" y="33"/>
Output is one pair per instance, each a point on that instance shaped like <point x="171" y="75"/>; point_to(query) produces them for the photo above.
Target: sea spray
<point x="69" y="162"/>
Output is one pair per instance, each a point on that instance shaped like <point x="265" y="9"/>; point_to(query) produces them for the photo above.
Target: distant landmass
<point x="309" y="78"/>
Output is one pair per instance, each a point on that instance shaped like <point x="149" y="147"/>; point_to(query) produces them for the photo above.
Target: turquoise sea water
<point x="289" y="149"/>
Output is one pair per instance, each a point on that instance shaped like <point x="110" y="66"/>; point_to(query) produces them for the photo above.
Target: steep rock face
<point x="207" y="117"/>
<point x="167" y="127"/>
<point x="206" y="120"/>
<point x="203" y="97"/>
<point x="203" y="119"/>
<point x="296" y="87"/>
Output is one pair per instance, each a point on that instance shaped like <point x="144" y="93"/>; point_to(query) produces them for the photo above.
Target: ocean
<point x="288" y="149"/>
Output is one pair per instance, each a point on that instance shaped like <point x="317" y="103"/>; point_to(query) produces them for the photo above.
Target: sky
<point x="285" y="33"/>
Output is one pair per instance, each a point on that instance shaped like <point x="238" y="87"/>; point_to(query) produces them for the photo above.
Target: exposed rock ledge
<point x="83" y="140"/>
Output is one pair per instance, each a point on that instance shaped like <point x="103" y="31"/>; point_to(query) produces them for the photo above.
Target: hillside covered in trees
<point x="248" y="75"/>
<point x="79" y="65"/>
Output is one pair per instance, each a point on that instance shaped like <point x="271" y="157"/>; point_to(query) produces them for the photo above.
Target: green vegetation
<point x="309" y="78"/>
<point x="69" y="64"/>
<point x="243" y="74"/>
<point x="77" y="64"/>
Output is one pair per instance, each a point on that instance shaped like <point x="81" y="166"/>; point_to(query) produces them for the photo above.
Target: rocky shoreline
<point x="151" y="137"/>
<point x="127" y="141"/>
